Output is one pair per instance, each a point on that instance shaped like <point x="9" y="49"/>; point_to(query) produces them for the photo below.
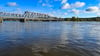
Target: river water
<point x="49" y="38"/>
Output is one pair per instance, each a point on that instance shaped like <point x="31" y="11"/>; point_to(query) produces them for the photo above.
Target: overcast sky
<point x="59" y="8"/>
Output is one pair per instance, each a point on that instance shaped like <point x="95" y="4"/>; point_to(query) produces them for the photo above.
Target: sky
<point x="56" y="8"/>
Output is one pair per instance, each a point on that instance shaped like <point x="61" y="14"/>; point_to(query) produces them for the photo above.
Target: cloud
<point x="43" y="4"/>
<point x="48" y="5"/>
<point x="75" y="11"/>
<point x="98" y="13"/>
<point x="11" y="4"/>
<point x="66" y="13"/>
<point x="93" y="9"/>
<point x="78" y="4"/>
<point x="17" y="10"/>
<point x="74" y="5"/>
<point x="57" y="13"/>
<point x="66" y="6"/>
<point x="63" y="1"/>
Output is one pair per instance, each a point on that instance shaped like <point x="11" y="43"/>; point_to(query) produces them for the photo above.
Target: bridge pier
<point x="1" y="20"/>
<point x="22" y="20"/>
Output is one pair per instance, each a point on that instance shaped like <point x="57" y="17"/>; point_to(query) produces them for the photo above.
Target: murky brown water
<point x="50" y="39"/>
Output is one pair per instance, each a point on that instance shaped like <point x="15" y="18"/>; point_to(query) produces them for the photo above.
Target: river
<point x="49" y="38"/>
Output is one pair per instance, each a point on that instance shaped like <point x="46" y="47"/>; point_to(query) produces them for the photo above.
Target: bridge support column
<point x="22" y="20"/>
<point x="1" y="20"/>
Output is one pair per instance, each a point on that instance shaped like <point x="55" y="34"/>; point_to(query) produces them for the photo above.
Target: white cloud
<point x="63" y="1"/>
<point x="54" y="12"/>
<point x="98" y="13"/>
<point x="43" y="4"/>
<point x="74" y="5"/>
<point x="66" y="6"/>
<point x="11" y="4"/>
<point x="17" y="10"/>
<point x="93" y="9"/>
<point x="75" y="11"/>
<point x="78" y="4"/>
<point x="66" y="13"/>
<point x="48" y="5"/>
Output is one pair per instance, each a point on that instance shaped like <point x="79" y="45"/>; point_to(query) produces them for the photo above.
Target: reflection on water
<point x="50" y="39"/>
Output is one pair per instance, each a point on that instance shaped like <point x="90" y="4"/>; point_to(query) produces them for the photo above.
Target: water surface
<point x="50" y="39"/>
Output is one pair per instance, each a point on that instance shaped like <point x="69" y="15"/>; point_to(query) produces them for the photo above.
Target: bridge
<point x="26" y="16"/>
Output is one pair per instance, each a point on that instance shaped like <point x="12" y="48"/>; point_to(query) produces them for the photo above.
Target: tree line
<point x="82" y="19"/>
